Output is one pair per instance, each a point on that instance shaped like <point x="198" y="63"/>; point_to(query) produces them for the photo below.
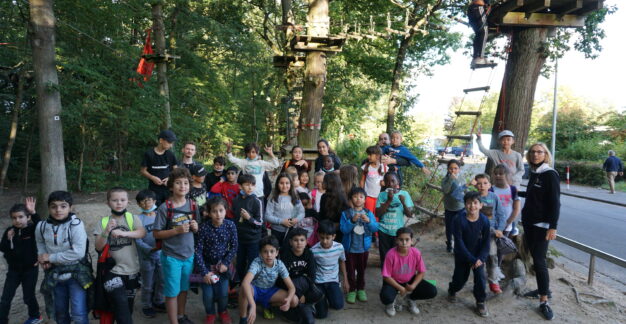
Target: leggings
<point x="535" y="238"/>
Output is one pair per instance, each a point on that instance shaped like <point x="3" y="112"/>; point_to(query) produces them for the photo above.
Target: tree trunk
<point x="396" y="83"/>
<point x="528" y="54"/>
<point x="83" y="145"/>
<point x="27" y="161"/>
<point x="42" y="24"/>
<point x="13" y="132"/>
<point x="159" y="41"/>
<point x="318" y="23"/>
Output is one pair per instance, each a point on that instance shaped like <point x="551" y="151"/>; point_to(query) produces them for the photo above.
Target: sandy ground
<point x="503" y="308"/>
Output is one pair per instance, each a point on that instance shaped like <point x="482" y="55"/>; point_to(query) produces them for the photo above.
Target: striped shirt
<point x="327" y="262"/>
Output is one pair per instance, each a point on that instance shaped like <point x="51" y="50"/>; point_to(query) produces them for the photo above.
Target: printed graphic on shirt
<point x="254" y="169"/>
<point x="117" y="243"/>
<point x="180" y="219"/>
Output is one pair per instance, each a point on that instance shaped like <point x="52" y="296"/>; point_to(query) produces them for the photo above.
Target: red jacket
<point x="229" y="192"/>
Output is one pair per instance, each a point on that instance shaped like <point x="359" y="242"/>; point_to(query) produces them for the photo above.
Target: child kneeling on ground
<point x="403" y="272"/>
<point x="259" y="284"/>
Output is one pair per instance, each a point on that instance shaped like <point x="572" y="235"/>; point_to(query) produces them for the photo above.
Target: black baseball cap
<point x="168" y="135"/>
<point x="197" y="170"/>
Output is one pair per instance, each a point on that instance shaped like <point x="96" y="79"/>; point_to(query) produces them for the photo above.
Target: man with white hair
<point x="613" y="166"/>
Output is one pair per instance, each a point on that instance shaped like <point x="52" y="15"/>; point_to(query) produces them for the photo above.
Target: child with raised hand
<point x="152" y="298"/>
<point x="259" y="283"/>
<point x="248" y="217"/>
<point x="297" y="160"/>
<point x="228" y="189"/>
<point x="330" y="259"/>
<point x="453" y="187"/>
<point x="325" y="153"/>
<point x="403" y="272"/>
<point x="318" y="189"/>
<point x="373" y="171"/>
<point x="20" y="250"/>
<point x="284" y="209"/>
<point x="174" y="226"/>
<point x="471" y="237"/>
<point x="497" y="221"/>
<point x="505" y="155"/>
<point x="392" y="206"/>
<point x="357" y="225"/>
<point x="333" y="202"/>
<point x="119" y="230"/>
<point x="215" y="249"/>
<point x="62" y="251"/>
<point x="253" y="164"/>
<point x="509" y="199"/>
<point x="303" y="176"/>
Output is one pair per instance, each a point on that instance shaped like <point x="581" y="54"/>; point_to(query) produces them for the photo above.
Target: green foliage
<point x="587" y="173"/>
<point x="352" y="151"/>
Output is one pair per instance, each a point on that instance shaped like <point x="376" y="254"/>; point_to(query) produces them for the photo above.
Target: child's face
<point x="506" y="142"/>
<point x="328" y="163"/>
<point x="298" y="243"/>
<point x="453" y="169"/>
<point x="147" y="203"/>
<point x="189" y="150"/>
<point x="403" y="241"/>
<point x="165" y="144"/>
<point x="304" y="179"/>
<point x="268" y="254"/>
<point x="297" y="154"/>
<point x="284" y="185"/>
<point x="198" y="179"/>
<point x="396" y="139"/>
<point x="218" y="167"/>
<point x="118" y="201"/>
<point x="252" y="154"/>
<point x="231" y="176"/>
<point x="318" y="182"/>
<point x="483" y="185"/>
<point x="322" y="148"/>
<point x="59" y="210"/>
<point x="19" y="219"/>
<point x="499" y="177"/>
<point x="373" y="158"/>
<point x="248" y="188"/>
<point x="392" y="182"/>
<point x="358" y="200"/>
<point x="218" y="212"/>
<point x="180" y="187"/>
<point x="473" y="206"/>
<point x="326" y="240"/>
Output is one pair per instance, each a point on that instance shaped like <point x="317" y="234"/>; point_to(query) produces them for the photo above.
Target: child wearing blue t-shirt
<point x="392" y="205"/>
<point x="259" y="284"/>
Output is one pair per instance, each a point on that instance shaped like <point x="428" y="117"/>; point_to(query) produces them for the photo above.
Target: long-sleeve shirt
<point x="65" y="241"/>
<point x="402" y="152"/>
<point x="256" y="168"/>
<point x="248" y="231"/>
<point x="613" y="164"/>
<point x="298" y="266"/>
<point x="542" y="205"/>
<point x="277" y="211"/>
<point x="471" y="239"/>
<point x="21" y="251"/>
<point x="229" y="191"/>
<point x="512" y="160"/>
<point x="453" y="191"/>
<point x="215" y="245"/>
<point x="147" y="243"/>
<point x="494" y="211"/>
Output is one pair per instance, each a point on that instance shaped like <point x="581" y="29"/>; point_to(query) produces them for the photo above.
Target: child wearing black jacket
<point x="248" y="217"/>
<point x="20" y="250"/>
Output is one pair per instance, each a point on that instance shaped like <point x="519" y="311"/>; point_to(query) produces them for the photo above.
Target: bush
<point x="587" y="173"/>
<point x="584" y="150"/>
<point x="352" y="151"/>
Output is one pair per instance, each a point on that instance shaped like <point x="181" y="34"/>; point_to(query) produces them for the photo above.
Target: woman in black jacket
<point x="540" y="216"/>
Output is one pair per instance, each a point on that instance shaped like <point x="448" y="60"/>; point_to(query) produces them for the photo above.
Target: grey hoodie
<point x="60" y="250"/>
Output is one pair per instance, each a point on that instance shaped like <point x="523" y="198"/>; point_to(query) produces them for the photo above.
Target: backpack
<point x="127" y="215"/>
<point x="86" y="260"/>
<point x="170" y="215"/>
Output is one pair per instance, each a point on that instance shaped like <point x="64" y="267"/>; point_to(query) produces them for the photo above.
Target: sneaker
<point x="546" y="311"/>
<point x="268" y="314"/>
<point x="351" y="297"/>
<point x="361" y="295"/>
<point x="451" y="297"/>
<point x="535" y="294"/>
<point x="184" y="320"/>
<point x="210" y="319"/>
<point x="413" y="307"/>
<point x="160" y="308"/>
<point x="495" y="288"/>
<point x="34" y="320"/>
<point x="225" y="317"/>
<point x="148" y="312"/>
<point x="481" y="309"/>
<point x="390" y="310"/>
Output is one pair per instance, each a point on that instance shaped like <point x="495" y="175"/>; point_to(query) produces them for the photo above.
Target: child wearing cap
<point x="198" y="190"/>
<point x="505" y="155"/>
<point x="157" y="164"/>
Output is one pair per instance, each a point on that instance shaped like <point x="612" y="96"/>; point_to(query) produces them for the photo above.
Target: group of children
<point x="313" y="258"/>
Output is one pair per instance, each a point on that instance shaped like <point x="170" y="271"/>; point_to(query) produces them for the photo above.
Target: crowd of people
<point x="295" y="247"/>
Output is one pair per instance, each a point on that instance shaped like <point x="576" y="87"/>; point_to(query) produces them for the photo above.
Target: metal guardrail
<point x="593" y="253"/>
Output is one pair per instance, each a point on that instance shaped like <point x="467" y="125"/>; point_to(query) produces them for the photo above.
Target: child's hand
<point x="207" y="278"/>
<point x="285" y="306"/>
<point x="479" y="132"/>
<point x="193" y="225"/>
<point x="497" y="233"/>
<point x="477" y="264"/>
<point x="473" y="182"/>
<point x="229" y="146"/>
<point x="356" y="217"/>
<point x="245" y="214"/>
<point x="251" y="313"/>
<point x="43" y="258"/>
<point x="10" y="234"/>
<point x="30" y="203"/>
<point x="402" y="199"/>
<point x="346" y="286"/>
<point x="402" y="291"/>
<point x="222" y="268"/>
<point x="181" y="229"/>
<point x="111" y="225"/>
<point x="118" y="233"/>
<point x="426" y="171"/>
<point x="390" y="195"/>
<point x="222" y="180"/>
<point x="268" y="149"/>
<point x="301" y="163"/>
<point x="365" y="218"/>
<point x="410" y="287"/>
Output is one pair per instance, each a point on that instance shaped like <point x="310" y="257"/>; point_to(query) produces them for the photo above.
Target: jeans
<point x="449" y="220"/>
<point x="535" y="238"/>
<point x="494" y="273"/>
<point x="356" y="262"/>
<point x="385" y="243"/>
<point x="28" y="280"/>
<point x="217" y="292"/>
<point x="423" y="290"/>
<point x="333" y="299"/>
<point x="478" y="20"/>
<point x="151" y="282"/>
<point x="462" y="270"/>
<point x="69" y="294"/>
<point x="246" y="252"/>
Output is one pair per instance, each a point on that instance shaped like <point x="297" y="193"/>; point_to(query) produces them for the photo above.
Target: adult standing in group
<point x="323" y="149"/>
<point x="613" y="166"/>
<point x="383" y="140"/>
<point x="157" y="164"/>
<point x="540" y="216"/>
<point x="189" y="151"/>
<point x="505" y="155"/>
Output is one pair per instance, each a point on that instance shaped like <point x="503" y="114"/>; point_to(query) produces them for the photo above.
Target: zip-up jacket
<point x="65" y="241"/>
<point x="248" y="231"/>
<point x="21" y="252"/>
<point x="542" y="197"/>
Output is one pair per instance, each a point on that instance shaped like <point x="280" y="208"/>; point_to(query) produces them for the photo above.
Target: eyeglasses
<point x="537" y="152"/>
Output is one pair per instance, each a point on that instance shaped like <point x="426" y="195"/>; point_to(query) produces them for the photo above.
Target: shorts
<point x="175" y="274"/>
<point x="263" y="295"/>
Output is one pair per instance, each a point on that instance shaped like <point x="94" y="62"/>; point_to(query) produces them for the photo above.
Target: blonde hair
<point x="548" y="155"/>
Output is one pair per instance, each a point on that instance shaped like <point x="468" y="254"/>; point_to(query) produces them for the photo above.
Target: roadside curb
<point x="590" y="198"/>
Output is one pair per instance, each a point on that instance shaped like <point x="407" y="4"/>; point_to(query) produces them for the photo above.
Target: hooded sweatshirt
<point x="65" y="241"/>
<point x="21" y="252"/>
<point x="248" y="231"/>
<point x="256" y="168"/>
<point x="542" y="204"/>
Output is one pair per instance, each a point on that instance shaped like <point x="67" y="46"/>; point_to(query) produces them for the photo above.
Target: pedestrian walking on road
<point x="613" y="166"/>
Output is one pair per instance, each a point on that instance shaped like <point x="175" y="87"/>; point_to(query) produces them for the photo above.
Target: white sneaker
<point x="390" y="310"/>
<point x="413" y="307"/>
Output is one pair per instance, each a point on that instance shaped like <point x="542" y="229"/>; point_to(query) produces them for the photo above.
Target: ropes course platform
<point x="542" y="13"/>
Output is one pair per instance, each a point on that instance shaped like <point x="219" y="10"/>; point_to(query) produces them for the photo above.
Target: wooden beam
<point x="589" y="7"/>
<point x="536" y="6"/>
<point x="569" y="8"/>
<point x="542" y="19"/>
<point x="497" y="13"/>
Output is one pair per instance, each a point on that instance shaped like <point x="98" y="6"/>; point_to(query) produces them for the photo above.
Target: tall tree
<point x="159" y="41"/>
